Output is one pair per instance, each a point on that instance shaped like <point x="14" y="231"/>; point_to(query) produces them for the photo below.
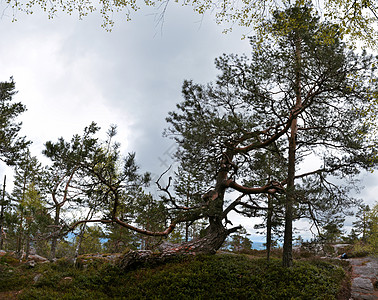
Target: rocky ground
<point x="364" y="278"/>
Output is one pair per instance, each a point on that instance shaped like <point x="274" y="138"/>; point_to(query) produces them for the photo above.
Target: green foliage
<point x="365" y="231"/>
<point x="9" y="260"/>
<point x="362" y="223"/>
<point x="190" y="184"/>
<point x="27" y="218"/>
<point x="359" y="249"/>
<point x="238" y="122"/>
<point x="91" y="174"/>
<point x="373" y="237"/>
<point x="119" y="238"/>
<point x="11" y="145"/>
<point x="206" y="277"/>
<point x="91" y="240"/>
<point x="151" y="215"/>
<point x="65" y="248"/>
<point x="240" y="241"/>
<point x="332" y="230"/>
<point x="357" y="19"/>
<point x="11" y="275"/>
<point x="62" y="264"/>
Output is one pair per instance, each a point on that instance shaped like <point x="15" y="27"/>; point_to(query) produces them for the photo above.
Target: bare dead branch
<point x="170" y="197"/>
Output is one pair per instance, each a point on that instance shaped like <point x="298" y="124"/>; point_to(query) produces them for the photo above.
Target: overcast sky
<point x="70" y="72"/>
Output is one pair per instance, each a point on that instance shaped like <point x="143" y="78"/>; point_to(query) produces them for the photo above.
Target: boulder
<point x="362" y="285"/>
<point x="37" y="258"/>
<point x="30" y="263"/>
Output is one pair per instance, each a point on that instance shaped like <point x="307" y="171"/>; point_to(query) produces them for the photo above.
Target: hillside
<point x="223" y="276"/>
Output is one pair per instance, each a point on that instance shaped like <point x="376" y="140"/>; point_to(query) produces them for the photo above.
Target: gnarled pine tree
<point x="302" y="92"/>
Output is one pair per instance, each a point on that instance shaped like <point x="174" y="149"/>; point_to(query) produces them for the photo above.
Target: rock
<point x="365" y="271"/>
<point x="357" y="296"/>
<point x="31" y="263"/>
<point x="38" y="258"/>
<point x="362" y="285"/>
<point x="67" y="279"/>
<point x="37" y="278"/>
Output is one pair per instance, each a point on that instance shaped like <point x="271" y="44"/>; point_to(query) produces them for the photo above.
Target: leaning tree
<point x="300" y="93"/>
<point x="302" y="87"/>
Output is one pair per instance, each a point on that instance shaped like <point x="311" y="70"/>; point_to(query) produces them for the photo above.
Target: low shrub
<point x="303" y="253"/>
<point x="218" y="276"/>
<point x="8" y="259"/>
<point x="62" y="264"/>
<point x="12" y="278"/>
<point x="359" y="249"/>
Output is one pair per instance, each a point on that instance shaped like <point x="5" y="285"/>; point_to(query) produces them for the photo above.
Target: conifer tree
<point x="11" y="144"/>
<point x="29" y="203"/>
<point x="302" y="89"/>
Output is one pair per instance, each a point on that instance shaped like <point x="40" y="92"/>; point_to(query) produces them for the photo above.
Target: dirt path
<point x="364" y="278"/>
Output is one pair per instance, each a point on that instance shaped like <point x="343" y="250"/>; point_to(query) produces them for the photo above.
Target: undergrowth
<point x="201" y="277"/>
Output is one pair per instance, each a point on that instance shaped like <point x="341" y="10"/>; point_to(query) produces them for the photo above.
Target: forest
<point x="303" y="97"/>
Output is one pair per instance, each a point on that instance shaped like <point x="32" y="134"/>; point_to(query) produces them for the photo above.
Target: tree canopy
<point x="356" y="19"/>
<point x="11" y="144"/>
<point x="300" y="94"/>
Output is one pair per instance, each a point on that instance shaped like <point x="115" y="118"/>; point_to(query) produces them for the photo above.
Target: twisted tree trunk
<point x="213" y="239"/>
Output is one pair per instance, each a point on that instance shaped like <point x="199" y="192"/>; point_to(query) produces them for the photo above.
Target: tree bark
<point x="20" y="228"/>
<point x="19" y="247"/>
<point x="2" y="233"/>
<point x="58" y="206"/>
<point x="27" y="249"/>
<point x="54" y="240"/>
<point x="269" y="227"/>
<point x="287" y="257"/>
<point x="215" y="235"/>
<point x="78" y="245"/>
